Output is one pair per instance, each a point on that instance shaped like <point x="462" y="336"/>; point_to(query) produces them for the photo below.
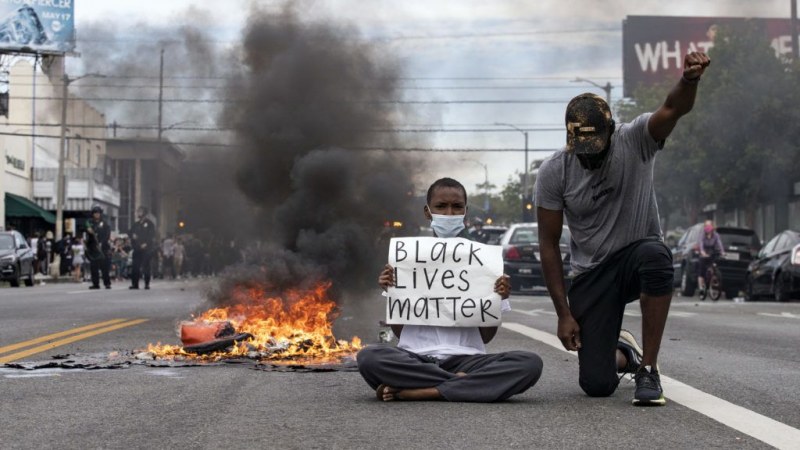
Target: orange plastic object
<point x="193" y="333"/>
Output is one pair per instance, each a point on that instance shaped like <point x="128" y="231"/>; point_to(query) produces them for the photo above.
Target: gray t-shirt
<point x="610" y="207"/>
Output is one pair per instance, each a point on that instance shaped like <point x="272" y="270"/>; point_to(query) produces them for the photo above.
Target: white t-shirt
<point x="443" y="342"/>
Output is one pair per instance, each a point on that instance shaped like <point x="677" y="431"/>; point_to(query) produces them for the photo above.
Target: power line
<point x="398" y="102"/>
<point x="379" y="39"/>
<point x="367" y="148"/>
<point x="503" y="34"/>
<point x="410" y="88"/>
<point x="407" y="78"/>
<point x="375" y="130"/>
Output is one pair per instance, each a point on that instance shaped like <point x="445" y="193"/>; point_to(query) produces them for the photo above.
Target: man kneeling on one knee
<point x="450" y="363"/>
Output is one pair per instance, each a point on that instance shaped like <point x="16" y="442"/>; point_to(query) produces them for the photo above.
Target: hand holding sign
<point x="386" y="278"/>
<point x="443" y="282"/>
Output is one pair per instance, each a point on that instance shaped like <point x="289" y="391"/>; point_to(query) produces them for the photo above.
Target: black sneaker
<point x="630" y="348"/>
<point x="648" y="388"/>
<point x="94" y="287"/>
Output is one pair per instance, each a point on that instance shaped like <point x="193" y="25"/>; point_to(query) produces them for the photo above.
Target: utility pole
<point x="60" y="187"/>
<point x="795" y="47"/>
<point x="160" y="93"/>
<point x="525" y="179"/>
<point x="61" y="184"/>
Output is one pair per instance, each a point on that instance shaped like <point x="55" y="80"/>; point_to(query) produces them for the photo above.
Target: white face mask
<point x="446" y="226"/>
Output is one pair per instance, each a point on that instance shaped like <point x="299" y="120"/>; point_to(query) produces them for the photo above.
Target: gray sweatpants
<point x="490" y="377"/>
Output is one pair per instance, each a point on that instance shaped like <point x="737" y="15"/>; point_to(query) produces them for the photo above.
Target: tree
<point x="506" y="206"/>
<point x="743" y="110"/>
<point x="678" y="167"/>
<point x="739" y="144"/>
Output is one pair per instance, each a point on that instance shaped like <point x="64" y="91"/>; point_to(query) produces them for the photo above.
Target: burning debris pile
<point x="295" y="327"/>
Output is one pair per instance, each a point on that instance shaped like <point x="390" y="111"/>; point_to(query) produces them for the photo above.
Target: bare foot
<point x="461" y="374"/>
<point x="388" y="394"/>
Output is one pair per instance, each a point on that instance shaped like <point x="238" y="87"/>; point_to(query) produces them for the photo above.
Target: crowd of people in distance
<point x="181" y="256"/>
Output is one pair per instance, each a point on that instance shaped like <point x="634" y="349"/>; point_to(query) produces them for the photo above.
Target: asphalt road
<point x="745" y="354"/>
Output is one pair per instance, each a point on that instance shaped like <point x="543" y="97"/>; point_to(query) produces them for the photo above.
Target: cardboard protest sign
<point x="444" y="282"/>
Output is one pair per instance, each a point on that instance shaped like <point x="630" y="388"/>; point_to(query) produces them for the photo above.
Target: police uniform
<point x="98" y="250"/>
<point x="143" y="234"/>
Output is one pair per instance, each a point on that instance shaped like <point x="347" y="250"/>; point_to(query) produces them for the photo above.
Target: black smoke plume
<point x="305" y="103"/>
<point x="310" y="99"/>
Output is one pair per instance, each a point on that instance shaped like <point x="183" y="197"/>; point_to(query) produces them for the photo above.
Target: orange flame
<point x="296" y="327"/>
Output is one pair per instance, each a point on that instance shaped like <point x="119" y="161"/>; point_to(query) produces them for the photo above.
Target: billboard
<point x="37" y="26"/>
<point x="653" y="47"/>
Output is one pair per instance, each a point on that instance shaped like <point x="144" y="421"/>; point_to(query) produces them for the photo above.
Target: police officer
<point x="143" y="236"/>
<point x="98" y="248"/>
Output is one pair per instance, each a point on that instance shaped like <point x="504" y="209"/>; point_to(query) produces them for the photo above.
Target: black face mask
<point x="593" y="161"/>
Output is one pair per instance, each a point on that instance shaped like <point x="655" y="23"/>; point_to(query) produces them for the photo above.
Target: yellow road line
<point x="49" y="337"/>
<point x="69" y="340"/>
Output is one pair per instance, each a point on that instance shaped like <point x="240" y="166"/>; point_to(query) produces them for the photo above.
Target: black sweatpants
<point x="597" y="301"/>
<point x="490" y="377"/>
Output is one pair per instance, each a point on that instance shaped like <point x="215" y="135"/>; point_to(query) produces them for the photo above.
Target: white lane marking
<point x="97" y="291"/>
<point x="751" y="423"/>
<point x="39" y="373"/>
<point x="671" y="314"/>
<point x="536" y="312"/>
<point x="164" y="373"/>
<point x="783" y="315"/>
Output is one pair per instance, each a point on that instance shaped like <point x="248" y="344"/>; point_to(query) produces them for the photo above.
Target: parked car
<point x="16" y="259"/>
<point x="521" y="257"/>
<point x="741" y="246"/>
<point x="491" y="234"/>
<point x="776" y="270"/>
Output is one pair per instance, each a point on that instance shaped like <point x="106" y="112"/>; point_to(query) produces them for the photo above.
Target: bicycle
<point x="713" y="281"/>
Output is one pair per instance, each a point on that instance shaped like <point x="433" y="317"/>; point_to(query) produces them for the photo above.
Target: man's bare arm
<point x="681" y="99"/>
<point x="550" y="226"/>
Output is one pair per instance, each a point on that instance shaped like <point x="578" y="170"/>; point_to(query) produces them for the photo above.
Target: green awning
<point x="17" y="206"/>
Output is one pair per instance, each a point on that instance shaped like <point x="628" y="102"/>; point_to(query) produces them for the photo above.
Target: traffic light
<point x="528" y="213"/>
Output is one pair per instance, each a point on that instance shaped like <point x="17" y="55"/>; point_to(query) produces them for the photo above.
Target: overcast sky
<point x="544" y="44"/>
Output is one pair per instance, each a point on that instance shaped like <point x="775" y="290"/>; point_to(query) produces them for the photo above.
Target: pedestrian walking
<point x="78" y="258"/>
<point x="167" y="254"/>
<point x="178" y="256"/>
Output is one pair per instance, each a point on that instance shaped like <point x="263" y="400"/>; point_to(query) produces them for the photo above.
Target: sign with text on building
<point x="653" y="47"/>
<point x="444" y="282"/>
<point x="37" y="26"/>
<point x="17" y="157"/>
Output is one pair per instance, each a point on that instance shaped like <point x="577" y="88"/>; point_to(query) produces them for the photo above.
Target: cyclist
<point x="710" y="244"/>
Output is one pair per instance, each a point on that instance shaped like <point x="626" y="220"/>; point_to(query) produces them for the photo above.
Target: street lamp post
<point x="525" y="180"/>
<point x="607" y="87"/>
<point x="60" y="182"/>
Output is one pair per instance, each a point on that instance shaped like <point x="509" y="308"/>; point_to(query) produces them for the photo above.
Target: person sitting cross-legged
<point x="448" y="363"/>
